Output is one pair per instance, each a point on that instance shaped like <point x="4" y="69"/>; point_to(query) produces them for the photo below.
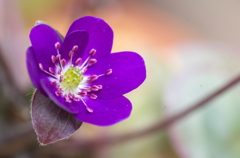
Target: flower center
<point x="71" y="79"/>
<point x="72" y="84"/>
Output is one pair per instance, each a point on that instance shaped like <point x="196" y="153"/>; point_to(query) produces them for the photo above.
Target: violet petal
<point x="79" y="38"/>
<point x="50" y="122"/>
<point x="33" y="70"/>
<point x="43" y="39"/>
<point x="105" y="111"/>
<point x="72" y="107"/>
<point x="128" y="73"/>
<point x="100" y="34"/>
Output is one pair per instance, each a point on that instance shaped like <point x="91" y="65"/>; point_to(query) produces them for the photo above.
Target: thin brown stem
<point x="75" y="145"/>
<point x="161" y="125"/>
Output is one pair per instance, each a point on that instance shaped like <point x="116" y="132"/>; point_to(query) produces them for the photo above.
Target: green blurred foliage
<point x="212" y="131"/>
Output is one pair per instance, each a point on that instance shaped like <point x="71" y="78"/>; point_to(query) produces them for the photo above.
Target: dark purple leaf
<point x="50" y="122"/>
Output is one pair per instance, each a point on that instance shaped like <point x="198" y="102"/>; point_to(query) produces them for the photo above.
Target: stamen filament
<point x="49" y="73"/>
<point x="84" y="63"/>
<point x="71" y="53"/>
<point x="88" y="109"/>
<point x="91" y="53"/>
<point x="42" y="69"/>
<point x="57" y="46"/>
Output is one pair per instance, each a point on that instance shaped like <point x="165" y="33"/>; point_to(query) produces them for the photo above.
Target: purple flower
<point x="79" y="73"/>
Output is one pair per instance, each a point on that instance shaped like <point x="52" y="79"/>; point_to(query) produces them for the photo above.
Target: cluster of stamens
<point x="67" y="76"/>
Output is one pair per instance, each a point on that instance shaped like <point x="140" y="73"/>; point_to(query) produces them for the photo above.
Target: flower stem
<point x="163" y="124"/>
<point x="75" y="145"/>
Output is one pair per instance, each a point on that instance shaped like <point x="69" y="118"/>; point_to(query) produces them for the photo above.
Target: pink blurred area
<point x="135" y="24"/>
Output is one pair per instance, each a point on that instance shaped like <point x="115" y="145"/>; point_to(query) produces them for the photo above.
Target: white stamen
<point x="88" y="109"/>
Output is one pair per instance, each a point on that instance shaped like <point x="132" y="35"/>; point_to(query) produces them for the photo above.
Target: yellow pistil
<point x="71" y="79"/>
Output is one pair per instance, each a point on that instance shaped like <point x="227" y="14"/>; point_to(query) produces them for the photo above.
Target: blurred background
<point x="190" y="47"/>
